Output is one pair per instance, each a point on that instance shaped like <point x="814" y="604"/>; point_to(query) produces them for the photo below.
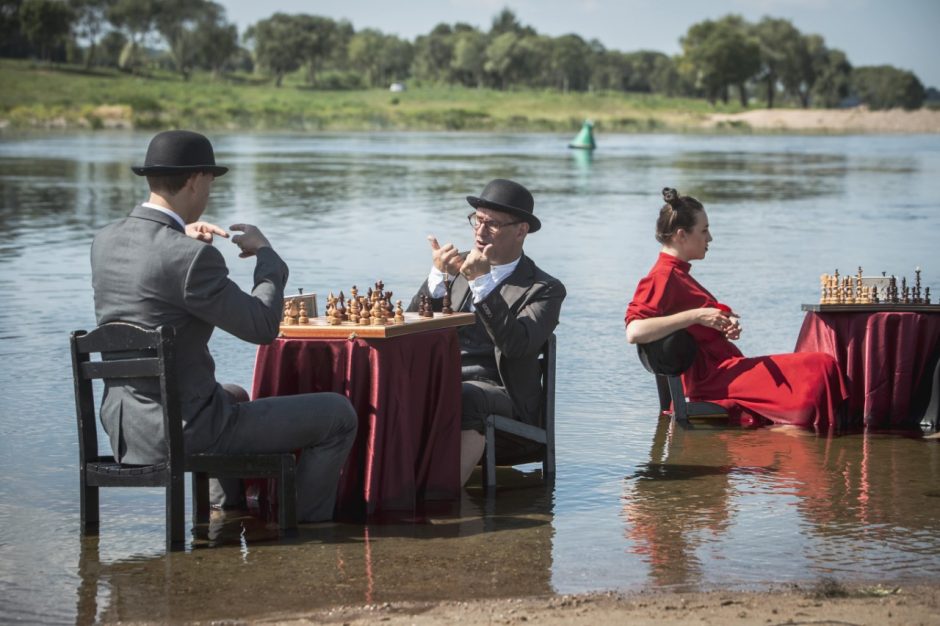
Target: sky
<point x="902" y="33"/>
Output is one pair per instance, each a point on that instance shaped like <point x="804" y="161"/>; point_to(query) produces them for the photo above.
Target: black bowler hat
<point x="510" y="197"/>
<point x="178" y="152"/>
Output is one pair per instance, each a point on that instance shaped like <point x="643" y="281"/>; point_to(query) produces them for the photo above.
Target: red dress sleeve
<point x="653" y="297"/>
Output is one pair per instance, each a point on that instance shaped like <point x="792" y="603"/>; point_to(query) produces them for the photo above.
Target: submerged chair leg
<point x="175" y="513"/>
<point x="200" y="483"/>
<point x="287" y="496"/>
<point x="489" y="454"/>
<point x="89" y="506"/>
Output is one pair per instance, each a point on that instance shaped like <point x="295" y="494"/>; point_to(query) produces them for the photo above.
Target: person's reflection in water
<point x="494" y="548"/>
<point x="667" y="504"/>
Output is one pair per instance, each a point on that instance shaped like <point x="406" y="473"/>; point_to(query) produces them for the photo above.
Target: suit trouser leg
<point x="322" y="425"/>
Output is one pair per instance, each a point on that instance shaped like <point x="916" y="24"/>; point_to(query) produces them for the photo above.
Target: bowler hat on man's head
<point x="179" y="152"/>
<point x="509" y="197"/>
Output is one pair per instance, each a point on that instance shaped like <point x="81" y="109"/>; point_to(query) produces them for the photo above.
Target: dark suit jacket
<point x="519" y="315"/>
<point x="146" y="271"/>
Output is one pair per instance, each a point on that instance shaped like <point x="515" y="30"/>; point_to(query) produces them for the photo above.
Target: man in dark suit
<point x="158" y="266"/>
<point x="517" y="307"/>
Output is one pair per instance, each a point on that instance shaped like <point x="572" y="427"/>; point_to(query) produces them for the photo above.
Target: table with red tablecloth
<point x="889" y="358"/>
<point x="406" y="391"/>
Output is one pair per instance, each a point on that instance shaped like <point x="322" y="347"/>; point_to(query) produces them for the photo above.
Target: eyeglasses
<point x="492" y="226"/>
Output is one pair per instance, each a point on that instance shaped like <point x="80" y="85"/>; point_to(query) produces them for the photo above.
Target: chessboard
<point x="321" y="328"/>
<point x="899" y="307"/>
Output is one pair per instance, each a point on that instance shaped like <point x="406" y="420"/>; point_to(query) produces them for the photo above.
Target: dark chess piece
<point x="927" y="295"/>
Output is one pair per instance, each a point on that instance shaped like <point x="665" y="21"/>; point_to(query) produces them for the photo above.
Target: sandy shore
<point x="859" y="119"/>
<point x="829" y="604"/>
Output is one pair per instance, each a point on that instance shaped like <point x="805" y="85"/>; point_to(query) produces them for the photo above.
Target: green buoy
<point x="585" y="138"/>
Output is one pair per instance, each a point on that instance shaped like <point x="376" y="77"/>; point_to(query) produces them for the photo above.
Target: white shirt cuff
<point x="481" y="286"/>
<point x="436" y="283"/>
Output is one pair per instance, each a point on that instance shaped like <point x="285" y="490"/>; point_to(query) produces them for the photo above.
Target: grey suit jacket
<point x="519" y="315"/>
<point x="145" y="270"/>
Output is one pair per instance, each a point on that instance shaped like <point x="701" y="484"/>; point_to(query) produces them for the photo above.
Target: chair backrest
<point x="547" y="363"/>
<point x="127" y="352"/>
<point x="669" y="356"/>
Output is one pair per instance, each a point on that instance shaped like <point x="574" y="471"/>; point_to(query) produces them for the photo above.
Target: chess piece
<point x="302" y="318"/>
<point x="823" y="281"/>
<point x="288" y="320"/>
<point x="341" y="307"/>
<point x="399" y="313"/>
<point x="365" y="316"/>
<point x="916" y="294"/>
<point x="927" y="295"/>
<point x="293" y="313"/>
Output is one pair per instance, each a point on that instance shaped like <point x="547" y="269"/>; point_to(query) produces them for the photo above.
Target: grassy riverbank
<point x="62" y="97"/>
<point x="36" y="95"/>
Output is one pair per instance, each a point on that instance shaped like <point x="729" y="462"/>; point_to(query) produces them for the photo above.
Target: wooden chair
<point x="543" y="434"/>
<point x="667" y="359"/>
<point x="129" y="351"/>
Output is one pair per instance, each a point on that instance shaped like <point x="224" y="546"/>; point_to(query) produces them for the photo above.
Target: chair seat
<point x="239" y="465"/>
<point x="104" y="471"/>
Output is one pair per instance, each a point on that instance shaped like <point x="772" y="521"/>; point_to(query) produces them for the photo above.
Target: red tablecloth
<point x="406" y="391"/>
<point x="888" y="359"/>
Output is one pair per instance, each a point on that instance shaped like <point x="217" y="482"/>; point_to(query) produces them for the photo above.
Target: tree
<point x="506" y="22"/>
<point x="469" y="57"/>
<point x="720" y="55"/>
<point x="91" y="16"/>
<point x="111" y="46"/>
<point x="885" y="87"/>
<point x="433" y="54"/>
<point x="45" y="24"/>
<point x="135" y="18"/>
<point x="833" y="73"/>
<point x="279" y="44"/>
<point x="381" y="58"/>
<point x="783" y="56"/>
<point x="176" y="21"/>
<point x="570" y="63"/>
<point x="216" y="40"/>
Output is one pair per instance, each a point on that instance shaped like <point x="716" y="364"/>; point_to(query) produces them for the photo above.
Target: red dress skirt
<point x="803" y="389"/>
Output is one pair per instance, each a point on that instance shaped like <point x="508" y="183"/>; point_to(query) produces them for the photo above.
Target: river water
<point x="635" y="505"/>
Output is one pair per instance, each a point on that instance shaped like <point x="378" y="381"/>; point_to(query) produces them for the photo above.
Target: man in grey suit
<point x="517" y="307"/>
<point x="158" y="266"/>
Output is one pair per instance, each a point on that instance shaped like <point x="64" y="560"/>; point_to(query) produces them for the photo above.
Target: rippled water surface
<point x="635" y="505"/>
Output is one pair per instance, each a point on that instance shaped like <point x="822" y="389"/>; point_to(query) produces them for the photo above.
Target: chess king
<point x="159" y="266"/>
<point x="516" y="305"/>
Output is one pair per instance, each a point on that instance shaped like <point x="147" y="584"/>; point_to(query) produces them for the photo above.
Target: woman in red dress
<point x="803" y="389"/>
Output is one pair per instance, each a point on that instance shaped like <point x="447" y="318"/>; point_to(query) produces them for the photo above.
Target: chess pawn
<point x="927" y="295"/>
<point x="288" y="321"/>
<point x="365" y="317"/>
<point x="377" y="319"/>
<point x="399" y="313"/>
<point x="823" y="278"/>
<point x="302" y="318"/>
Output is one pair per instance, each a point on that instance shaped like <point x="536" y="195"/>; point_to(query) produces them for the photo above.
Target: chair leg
<point x="89" y="507"/>
<point x="287" y="496"/>
<point x="175" y="513"/>
<point x="200" y="488"/>
<point x="489" y="454"/>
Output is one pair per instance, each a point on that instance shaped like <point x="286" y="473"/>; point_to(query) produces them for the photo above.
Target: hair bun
<point x="671" y="196"/>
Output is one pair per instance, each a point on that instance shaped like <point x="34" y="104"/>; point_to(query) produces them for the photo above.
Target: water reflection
<point x="863" y="499"/>
<point x="703" y="509"/>
<point x="492" y="548"/>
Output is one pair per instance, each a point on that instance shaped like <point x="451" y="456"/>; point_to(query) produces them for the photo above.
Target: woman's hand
<point x="713" y="318"/>
<point x="733" y="332"/>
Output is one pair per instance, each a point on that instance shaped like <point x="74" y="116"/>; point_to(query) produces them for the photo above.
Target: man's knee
<point x="238" y="394"/>
<point x="342" y="411"/>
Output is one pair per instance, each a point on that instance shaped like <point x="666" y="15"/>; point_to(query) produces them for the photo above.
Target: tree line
<point x="767" y="62"/>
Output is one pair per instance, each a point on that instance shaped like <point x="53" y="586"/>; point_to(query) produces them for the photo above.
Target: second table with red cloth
<point x="888" y="358"/>
<point x="406" y="391"/>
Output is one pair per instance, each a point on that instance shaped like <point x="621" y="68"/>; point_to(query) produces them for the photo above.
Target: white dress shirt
<point x="155" y="207"/>
<point x="480" y="287"/>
